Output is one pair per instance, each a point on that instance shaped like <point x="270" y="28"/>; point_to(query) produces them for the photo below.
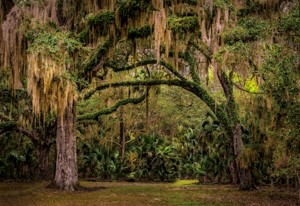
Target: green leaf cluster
<point x="103" y="18"/>
<point x="139" y="33"/>
<point x="132" y="7"/>
<point x="183" y="24"/>
<point x="54" y="44"/>
<point x="291" y="22"/>
<point x="248" y="29"/>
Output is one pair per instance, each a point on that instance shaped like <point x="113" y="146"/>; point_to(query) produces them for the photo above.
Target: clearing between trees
<point x="131" y="193"/>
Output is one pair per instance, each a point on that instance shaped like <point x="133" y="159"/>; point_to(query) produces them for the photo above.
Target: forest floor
<point x="182" y="193"/>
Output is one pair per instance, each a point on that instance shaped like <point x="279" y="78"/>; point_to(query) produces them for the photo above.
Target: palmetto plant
<point x="189" y="151"/>
<point x="151" y="158"/>
<point x="215" y="150"/>
<point x="98" y="161"/>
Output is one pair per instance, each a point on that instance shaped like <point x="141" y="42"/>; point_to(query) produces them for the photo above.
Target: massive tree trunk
<point x="66" y="176"/>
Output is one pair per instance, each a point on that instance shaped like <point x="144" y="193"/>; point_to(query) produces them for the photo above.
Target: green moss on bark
<point x="183" y="24"/>
<point x="95" y="59"/>
<point x="192" y="65"/>
<point x="139" y="33"/>
<point x="103" y="18"/>
<point x="96" y="115"/>
<point x="131" y="8"/>
<point x="248" y="29"/>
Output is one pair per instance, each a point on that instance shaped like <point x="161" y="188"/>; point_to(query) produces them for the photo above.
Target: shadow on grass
<point x="78" y="188"/>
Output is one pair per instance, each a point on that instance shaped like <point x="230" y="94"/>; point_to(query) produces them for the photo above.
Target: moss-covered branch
<point x="193" y="72"/>
<point x="11" y="125"/>
<point x="187" y="85"/>
<point x="99" y="56"/>
<point x="83" y="36"/>
<point x="204" y="49"/>
<point x="168" y="66"/>
<point x="228" y="91"/>
<point x="129" y="67"/>
<point x="139" y="33"/>
<point x="102" y="18"/>
<point x="100" y="21"/>
<point x="130" y="8"/>
<point x="218" y="109"/>
<point x="96" y="115"/>
<point x="183" y="24"/>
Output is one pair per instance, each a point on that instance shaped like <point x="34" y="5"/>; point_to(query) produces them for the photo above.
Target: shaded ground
<point x="131" y="194"/>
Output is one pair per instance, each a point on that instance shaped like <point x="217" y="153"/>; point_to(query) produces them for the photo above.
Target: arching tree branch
<point x="168" y="66"/>
<point x="129" y="67"/>
<point x="11" y="125"/>
<point x="97" y="60"/>
<point x="96" y="115"/>
<point x="187" y="85"/>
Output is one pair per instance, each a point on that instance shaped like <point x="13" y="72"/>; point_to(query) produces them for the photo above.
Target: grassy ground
<point x="130" y="194"/>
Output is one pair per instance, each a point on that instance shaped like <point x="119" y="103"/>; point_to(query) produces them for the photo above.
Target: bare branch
<point x="244" y="90"/>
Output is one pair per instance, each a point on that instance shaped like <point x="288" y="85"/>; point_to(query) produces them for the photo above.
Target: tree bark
<point x="244" y="174"/>
<point x="66" y="175"/>
<point x="122" y="127"/>
<point x="235" y="130"/>
<point x="122" y="135"/>
<point x="43" y="151"/>
<point x="147" y="111"/>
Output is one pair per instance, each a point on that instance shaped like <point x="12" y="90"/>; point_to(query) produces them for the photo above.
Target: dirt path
<point x="131" y="194"/>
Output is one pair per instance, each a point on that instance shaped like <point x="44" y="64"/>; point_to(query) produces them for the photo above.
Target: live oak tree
<point x="69" y="48"/>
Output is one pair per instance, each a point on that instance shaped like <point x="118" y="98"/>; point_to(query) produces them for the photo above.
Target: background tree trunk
<point x="234" y="129"/>
<point x="122" y="135"/>
<point x="43" y="157"/>
<point x="122" y="128"/>
<point x="43" y="152"/>
<point x="244" y="174"/>
<point x="66" y="176"/>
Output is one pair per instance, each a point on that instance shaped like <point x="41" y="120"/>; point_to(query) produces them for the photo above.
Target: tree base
<point x="74" y="187"/>
<point x="246" y="180"/>
<point x="77" y="187"/>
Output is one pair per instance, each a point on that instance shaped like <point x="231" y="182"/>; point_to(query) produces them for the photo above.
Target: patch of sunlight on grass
<point x="179" y="183"/>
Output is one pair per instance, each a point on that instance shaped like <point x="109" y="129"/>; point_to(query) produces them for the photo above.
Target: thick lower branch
<point x="11" y="125"/>
<point x="187" y="85"/>
<point x="99" y="57"/>
<point x="96" y="115"/>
